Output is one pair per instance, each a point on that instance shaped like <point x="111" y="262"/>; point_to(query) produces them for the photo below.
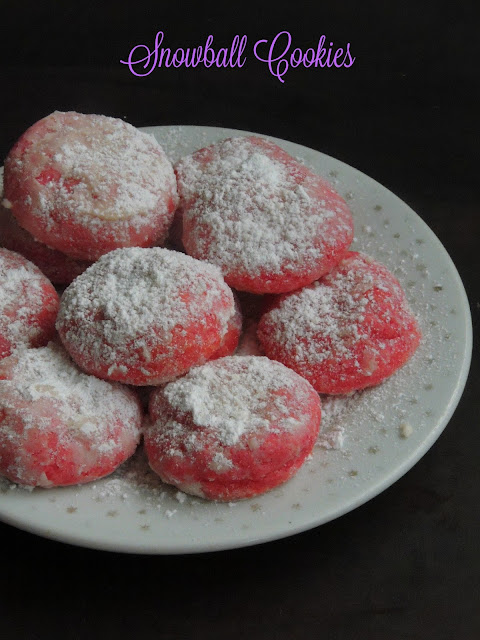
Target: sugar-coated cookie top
<point x="23" y="292"/>
<point x="360" y="300"/>
<point x="113" y="308"/>
<point x="44" y="385"/>
<point x="233" y="396"/>
<point x="98" y="167"/>
<point x="255" y="208"/>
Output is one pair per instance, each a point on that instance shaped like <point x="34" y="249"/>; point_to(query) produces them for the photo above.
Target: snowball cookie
<point x="28" y="304"/>
<point x="145" y="316"/>
<point x="265" y="219"/>
<point x="232" y="428"/>
<point x="87" y="184"/>
<point x="58" y="267"/>
<point x="59" y="426"/>
<point x="347" y="331"/>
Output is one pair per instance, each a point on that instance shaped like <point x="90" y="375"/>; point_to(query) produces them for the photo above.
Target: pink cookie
<point x="145" y="316"/>
<point x="87" y="184"/>
<point x="349" y="330"/>
<point x="266" y="220"/>
<point x="58" y="267"/>
<point x="59" y="426"/>
<point x="28" y="304"/>
<point x="232" y="428"/>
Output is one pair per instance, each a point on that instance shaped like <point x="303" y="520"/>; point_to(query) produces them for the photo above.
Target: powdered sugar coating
<point x="28" y="304"/>
<point x="237" y="397"/>
<point x="267" y="221"/>
<point x="58" y="267"/>
<point x="145" y="316"/>
<point x="87" y="184"/>
<point x="58" y="425"/>
<point x="347" y="331"/>
<point x="232" y="428"/>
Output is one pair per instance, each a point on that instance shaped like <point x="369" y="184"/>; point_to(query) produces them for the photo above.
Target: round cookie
<point x="266" y="220"/>
<point x="28" y="304"/>
<point x="145" y="316"/>
<point x="347" y="331"/>
<point x="88" y="184"/>
<point x="58" y="267"/>
<point x="232" y="428"/>
<point x="60" y="426"/>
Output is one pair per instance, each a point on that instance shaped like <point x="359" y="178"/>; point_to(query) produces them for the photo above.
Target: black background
<point x="405" y="565"/>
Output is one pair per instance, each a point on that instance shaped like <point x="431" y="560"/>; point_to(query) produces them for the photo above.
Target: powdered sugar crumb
<point x="334" y="425"/>
<point x="405" y="430"/>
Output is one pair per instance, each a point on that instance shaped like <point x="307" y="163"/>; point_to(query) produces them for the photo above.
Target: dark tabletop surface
<point x="406" y="564"/>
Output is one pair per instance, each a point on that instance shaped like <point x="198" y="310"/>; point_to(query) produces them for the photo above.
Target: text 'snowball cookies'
<point x="60" y="426"/>
<point x="28" y="304"/>
<point x="145" y="316"/>
<point x="265" y="219"/>
<point x="347" y="331"/>
<point x="58" y="267"/>
<point x="232" y="428"/>
<point x="87" y="184"/>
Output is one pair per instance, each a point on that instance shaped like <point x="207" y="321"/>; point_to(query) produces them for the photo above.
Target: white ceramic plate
<point x="132" y="511"/>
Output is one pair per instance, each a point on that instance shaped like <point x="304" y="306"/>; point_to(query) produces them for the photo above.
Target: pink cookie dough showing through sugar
<point x="60" y="426"/>
<point x="28" y="304"/>
<point x="265" y="219"/>
<point x="58" y="267"/>
<point x="88" y="184"/>
<point x="231" y="338"/>
<point x="232" y="428"/>
<point x="145" y="316"/>
<point x="347" y="331"/>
